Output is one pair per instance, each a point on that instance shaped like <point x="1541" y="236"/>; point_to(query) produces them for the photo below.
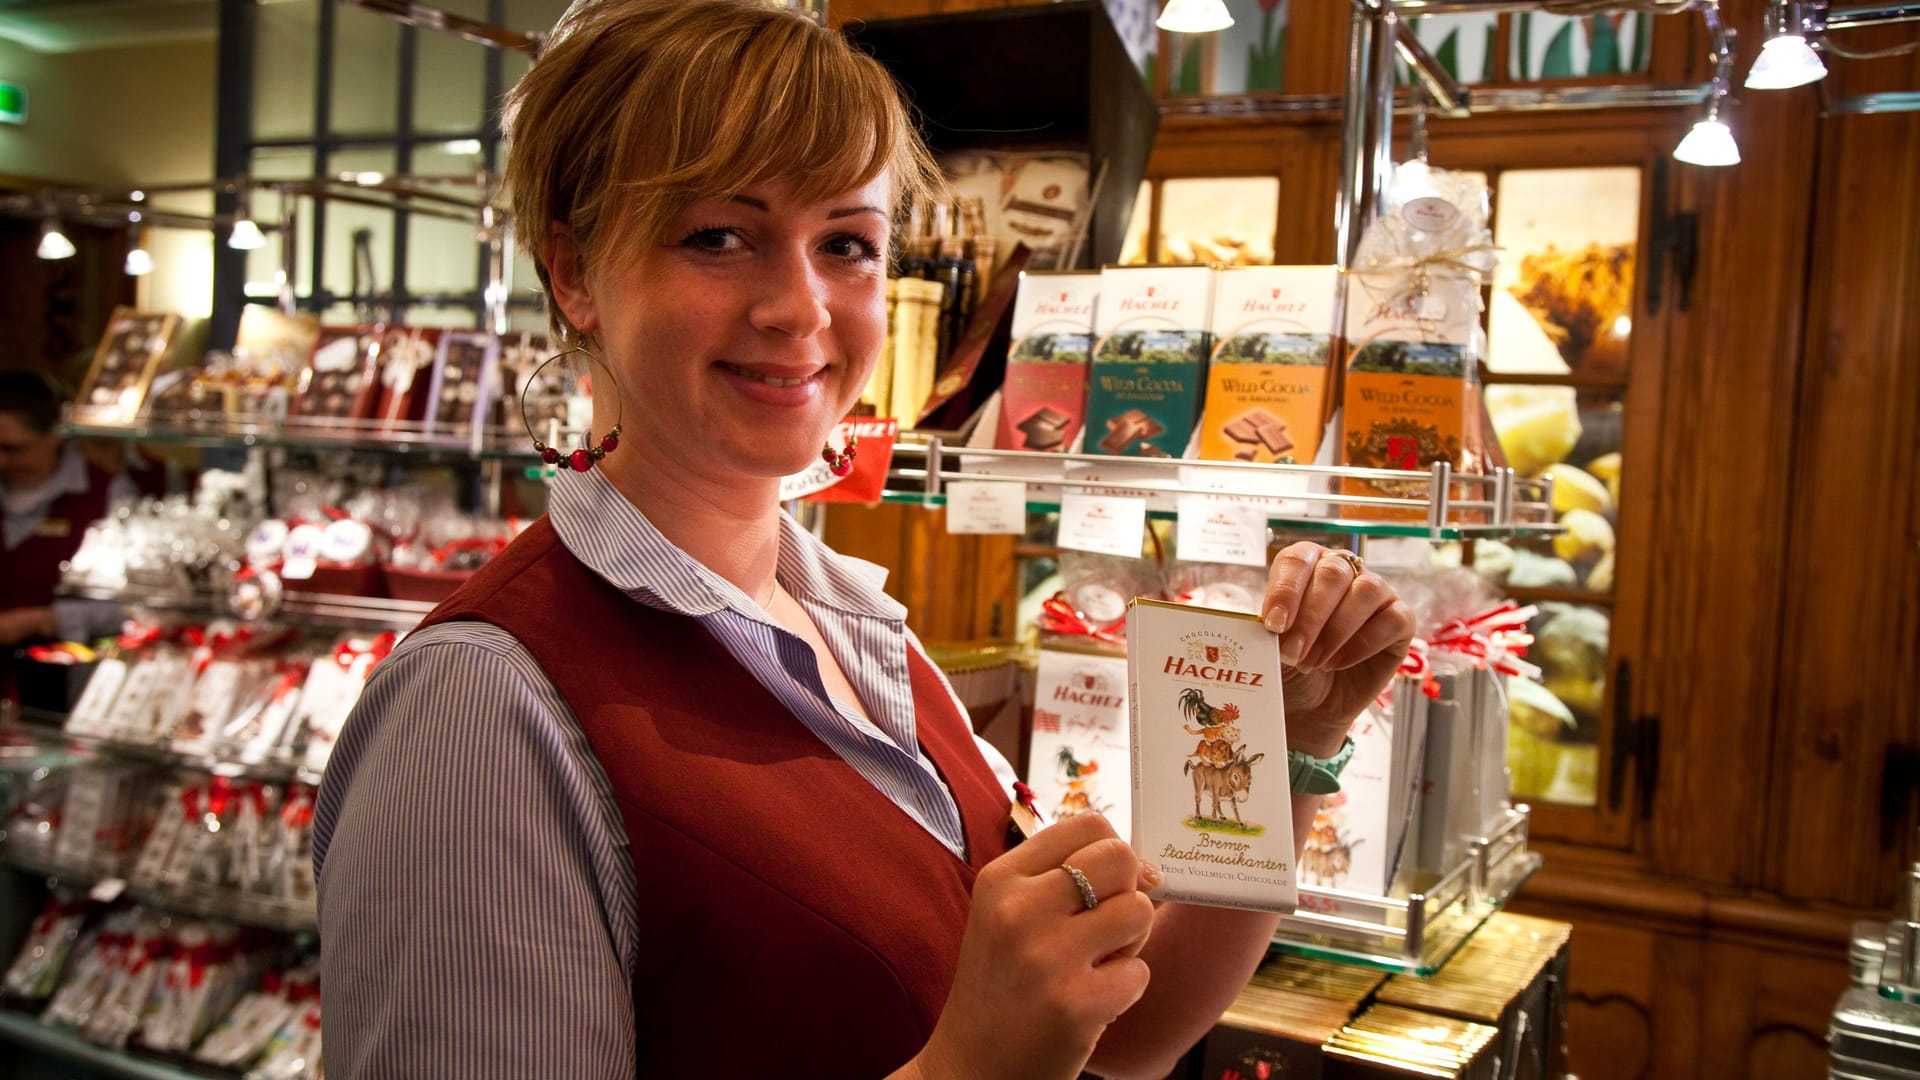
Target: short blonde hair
<point x="637" y="107"/>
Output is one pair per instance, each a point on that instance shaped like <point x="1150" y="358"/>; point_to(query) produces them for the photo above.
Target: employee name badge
<point x="1212" y="807"/>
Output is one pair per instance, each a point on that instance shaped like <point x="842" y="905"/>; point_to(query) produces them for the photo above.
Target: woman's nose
<point x="792" y="297"/>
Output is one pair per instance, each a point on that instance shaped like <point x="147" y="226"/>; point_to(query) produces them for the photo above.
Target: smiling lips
<point x="763" y="377"/>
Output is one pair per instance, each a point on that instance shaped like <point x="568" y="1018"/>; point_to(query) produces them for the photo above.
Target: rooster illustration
<point x="1080" y="781"/>
<point x="1072" y="768"/>
<point x="1218" y="728"/>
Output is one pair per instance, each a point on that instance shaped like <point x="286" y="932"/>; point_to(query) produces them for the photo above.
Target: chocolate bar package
<point x="1150" y="355"/>
<point x="1077" y="755"/>
<point x="1044" y="399"/>
<point x="1411" y="393"/>
<point x="1211" y="804"/>
<point x="1267" y="382"/>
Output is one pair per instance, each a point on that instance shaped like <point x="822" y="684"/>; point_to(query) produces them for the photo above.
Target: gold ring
<point x="1086" y="887"/>
<point x="1358" y="564"/>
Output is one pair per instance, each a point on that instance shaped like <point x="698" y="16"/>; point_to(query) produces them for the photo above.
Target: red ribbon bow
<point x="361" y="658"/>
<point x="1057" y="616"/>
<point x="1496" y="639"/>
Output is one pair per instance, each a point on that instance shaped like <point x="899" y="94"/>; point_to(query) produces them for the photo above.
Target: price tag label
<point x="986" y="506"/>
<point x="1214" y="531"/>
<point x="1104" y="524"/>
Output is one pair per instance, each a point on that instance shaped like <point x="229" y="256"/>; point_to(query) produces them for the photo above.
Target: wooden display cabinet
<point x="1764" y="593"/>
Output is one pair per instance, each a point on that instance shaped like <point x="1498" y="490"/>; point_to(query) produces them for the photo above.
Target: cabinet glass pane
<point x="344" y="219"/>
<point x="1574" y="437"/>
<point x="442" y="255"/>
<point x="450" y="83"/>
<point x="285" y="45"/>
<point x="1228" y="220"/>
<point x="1563" y="290"/>
<point x="1247" y="57"/>
<point x="366" y="71"/>
<point x="1463" y="45"/>
<point x="281" y="163"/>
<point x="1547" y="47"/>
<point x="1553" y="734"/>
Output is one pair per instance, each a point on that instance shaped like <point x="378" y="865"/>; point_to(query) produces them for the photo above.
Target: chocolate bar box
<point x="1211" y="804"/>
<point x="1044" y="399"/>
<point x="1267" y="383"/>
<point x="1143" y="394"/>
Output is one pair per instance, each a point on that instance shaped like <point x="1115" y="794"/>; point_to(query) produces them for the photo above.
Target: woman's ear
<point x="567" y="277"/>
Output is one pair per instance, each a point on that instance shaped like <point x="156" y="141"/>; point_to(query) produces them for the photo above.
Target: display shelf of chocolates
<point x="318" y="433"/>
<point x="1456" y="506"/>
<point x="302" y="608"/>
<point x="1419" y="933"/>
<point x="48" y="729"/>
<point x="247" y="909"/>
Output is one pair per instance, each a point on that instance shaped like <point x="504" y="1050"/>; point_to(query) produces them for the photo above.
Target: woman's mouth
<point x="763" y="377"/>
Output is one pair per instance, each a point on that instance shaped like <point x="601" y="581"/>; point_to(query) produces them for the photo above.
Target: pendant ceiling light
<point x="54" y="243"/>
<point x="1785" y="62"/>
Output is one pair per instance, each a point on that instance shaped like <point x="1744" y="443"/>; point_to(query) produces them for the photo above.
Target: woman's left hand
<point x="1343" y="633"/>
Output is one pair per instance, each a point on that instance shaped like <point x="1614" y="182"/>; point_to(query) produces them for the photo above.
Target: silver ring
<point x="1080" y="882"/>
<point x="1358" y="564"/>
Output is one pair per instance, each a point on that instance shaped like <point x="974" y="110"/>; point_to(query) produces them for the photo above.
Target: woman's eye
<point x="714" y="239"/>
<point x="853" y="248"/>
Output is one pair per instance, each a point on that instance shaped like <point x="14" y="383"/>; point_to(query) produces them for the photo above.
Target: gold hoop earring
<point x="581" y="459"/>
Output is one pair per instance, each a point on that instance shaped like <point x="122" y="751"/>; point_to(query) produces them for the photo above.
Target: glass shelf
<point x="317" y="434"/>
<point x="333" y="610"/>
<point x="1419" y="934"/>
<point x="1440" y="504"/>
<point x="47" y="729"/>
<point x="25" y="1030"/>
<point x="201" y="901"/>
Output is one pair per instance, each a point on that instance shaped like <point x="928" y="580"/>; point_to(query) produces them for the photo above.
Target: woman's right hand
<point x="1040" y="975"/>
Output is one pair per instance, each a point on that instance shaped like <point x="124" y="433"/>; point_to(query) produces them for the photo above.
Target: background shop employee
<point x="52" y="494"/>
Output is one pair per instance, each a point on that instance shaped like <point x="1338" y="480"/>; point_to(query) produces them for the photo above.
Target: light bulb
<point x="1194" y="16"/>
<point x="54" y="243"/>
<point x="1710" y="143"/>
<point x="246" y="236"/>
<point x="139" y="262"/>
<point x="1784" y="62"/>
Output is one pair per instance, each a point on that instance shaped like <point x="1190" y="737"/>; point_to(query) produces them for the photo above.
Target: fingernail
<point x="1277" y="621"/>
<point x="1150" y="874"/>
<point x="1290" y="650"/>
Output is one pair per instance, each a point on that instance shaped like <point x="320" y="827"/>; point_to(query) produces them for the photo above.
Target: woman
<point x="669" y="789"/>
<point x="52" y="493"/>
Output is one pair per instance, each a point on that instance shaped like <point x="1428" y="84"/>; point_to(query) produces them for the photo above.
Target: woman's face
<point x="744" y="335"/>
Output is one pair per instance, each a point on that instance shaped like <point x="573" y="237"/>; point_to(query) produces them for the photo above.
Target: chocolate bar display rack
<point x="1442" y="504"/>
<point x="1416" y="934"/>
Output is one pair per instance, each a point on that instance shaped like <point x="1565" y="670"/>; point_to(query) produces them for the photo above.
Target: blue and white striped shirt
<point x="477" y="898"/>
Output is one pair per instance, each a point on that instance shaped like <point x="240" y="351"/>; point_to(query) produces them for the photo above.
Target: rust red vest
<point x="792" y="918"/>
<point x="33" y="568"/>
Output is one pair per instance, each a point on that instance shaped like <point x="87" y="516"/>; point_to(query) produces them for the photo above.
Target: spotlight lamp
<point x="1710" y="143"/>
<point x="54" y="243"/>
<point x="1194" y="16"/>
<point x="139" y="260"/>
<point x="246" y="236"/>
<point x="1786" y="60"/>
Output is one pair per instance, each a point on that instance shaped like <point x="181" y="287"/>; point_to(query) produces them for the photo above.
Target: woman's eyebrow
<point x="845" y="211"/>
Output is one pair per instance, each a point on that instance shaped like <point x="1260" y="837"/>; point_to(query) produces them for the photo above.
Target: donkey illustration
<point x="1232" y="781"/>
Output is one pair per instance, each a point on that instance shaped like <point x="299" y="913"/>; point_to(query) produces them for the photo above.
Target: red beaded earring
<point x="581" y="459"/>
<point x="841" y="461"/>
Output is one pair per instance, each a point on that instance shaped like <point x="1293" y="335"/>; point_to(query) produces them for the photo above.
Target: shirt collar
<point x="69" y="476"/>
<point x="615" y="540"/>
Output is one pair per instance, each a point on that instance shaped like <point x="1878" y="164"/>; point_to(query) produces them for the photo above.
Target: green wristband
<point x="1309" y="775"/>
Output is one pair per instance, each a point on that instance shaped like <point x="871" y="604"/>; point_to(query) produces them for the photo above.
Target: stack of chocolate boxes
<point x="1194" y="362"/>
